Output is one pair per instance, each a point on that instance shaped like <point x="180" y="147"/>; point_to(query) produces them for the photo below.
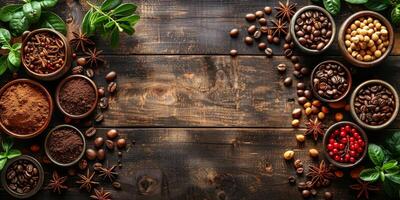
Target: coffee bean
<point x="306" y="193"/>
<point x="288" y="38"/>
<point x="234" y="33"/>
<point x="301" y="186"/>
<point x="110" y="145"/>
<point x="308" y="94"/>
<point x="288" y="53"/>
<point x="98" y="142"/>
<point x="121" y="143"/>
<point x="314" y="192"/>
<point x="276" y="40"/>
<point x="268" y="52"/>
<point x="288" y="81"/>
<point x="90" y="132"/>
<point x="264" y="29"/>
<point x="233" y="52"/>
<point x="112" y="133"/>
<point x="262" y="46"/>
<point x="262" y="21"/>
<point x="90" y="154"/>
<point x="99" y="118"/>
<point x="300" y="86"/>
<point x="286" y="46"/>
<point x="297" y="74"/>
<point x="296" y="113"/>
<point x="82" y="164"/>
<point x="298" y="163"/>
<point x="294" y="59"/>
<point x="302" y="100"/>
<point x="101" y="92"/>
<point x="248" y="40"/>
<point x="300" y="93"/>
<point x="270" y="38"/>
<point x="305" y="71"/>
<point x="267" y="10"/>
<point x="328" y="196"/>
<point x="103" y="103"/>
<point x="252" y="29"/>
<point x="81" y="61"/>
<point x="299" y="171"/>
<point x="112" y="87"/>
<point x="257" y="35"/>
<point x="77" y="70"/>
<point x="89" y="72"/>
<point x="250" y="17"/>
<point x="297" y="66"/>
<point x="101" y="154"/>
<point x="281" y="68"/>
<point x="259" y="14"/>
<point x="111" y="76"/>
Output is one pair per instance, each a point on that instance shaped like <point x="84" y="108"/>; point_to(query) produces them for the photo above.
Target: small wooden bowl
<point x="293" y="32"/>
<point x="67" y="59"/>
<point x="342" y="34"/>
<point x="350" y="80"/>
<point x="61" y="84"/>
<point x="325" y="142"/>
<point x="33" y="191"/>
<point x="49" y="99"/>
<point x="354" y="114"/>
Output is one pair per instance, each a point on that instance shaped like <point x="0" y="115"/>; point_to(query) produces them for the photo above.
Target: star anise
<point x="86" y="181"/>
<point x="364" y="188"/>
<point x="320" y="175"/>
<point x="279" y="27"/>
<point x="56" y="183"/>
<point x="285" y="11"/>
<point x="93" y="57"/>
<point x="108" y="173"/>
<point x="315" y="128"/>
<point x="101" y="195"/>
<point x="81" y="41"/>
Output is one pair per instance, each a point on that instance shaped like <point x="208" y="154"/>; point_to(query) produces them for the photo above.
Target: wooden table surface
<point x="196" y="113"/>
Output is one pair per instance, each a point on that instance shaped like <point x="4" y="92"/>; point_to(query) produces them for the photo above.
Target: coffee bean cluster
<point x="366" y="39"/>
<point x="374" y="104"/>
<point x="22" y="176"/>
<point x="331" y="81"/>
<point x="313" y="29"/>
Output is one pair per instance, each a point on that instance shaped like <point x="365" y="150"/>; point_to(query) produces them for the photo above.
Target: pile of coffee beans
<point x="346" y="144"/>
<point x="22" y="176"/>
<point x="374" y="104"/>
<point x="331" y="80"/>
<point x="313" y="29"/>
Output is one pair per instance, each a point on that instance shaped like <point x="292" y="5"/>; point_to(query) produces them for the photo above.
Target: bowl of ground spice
<point x="65" y="145"/>
<point x="46" y="54"/>
<point x="26" y="108"/>
<point x="77" y="96"/>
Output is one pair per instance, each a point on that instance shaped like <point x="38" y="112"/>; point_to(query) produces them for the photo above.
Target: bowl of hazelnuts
<point x="366" y="39"/>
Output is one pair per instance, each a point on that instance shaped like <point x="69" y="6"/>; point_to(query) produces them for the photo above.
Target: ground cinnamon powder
<point x="24" y="108"/>
<point x="77" y="96"/>
<point x="65" y="145"/>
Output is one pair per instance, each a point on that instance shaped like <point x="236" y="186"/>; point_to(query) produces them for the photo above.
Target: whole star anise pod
<point x="86" y="181"/>
<point x="314" y="128"/>
<point x="320" y="175"/>
<point x="279" y="28"/>
<point x="101" y="195"/>
<point x="81" y="41"/>
<point x="56" y="183"/>
<point x="364" y="188"/>
<point x="285" y="11"/>
<point x="108" y="173"/>
<point x="93" y="57"/>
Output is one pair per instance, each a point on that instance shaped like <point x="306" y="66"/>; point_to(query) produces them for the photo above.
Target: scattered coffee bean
<point x="288" y="38"/>
<point x="111" y="76"/>
<point x="296" y="114"/>
<point x="248" y="40"/>
<point x="297" y="74"/>
<point x="262" y="46"/>
<point x="90" y="132"/>
<point x="267" y="10"/>
<point x="308" y="94"/>
<point x="294" y="59"/>
<point x="116" y="185"/>
<point x="234" y="33"/>
<point x="301" y="186"/>
<point x="257" y="35"/>
<point x="99" y="118"/>
<point x="103" y="103"/>
<point x="328" y="196"/>
<point x="97" y="166"/>
<point x="268" y="52"/>
<point x="297" y="66"/>
<point x="314" y="192"/>
<point x="300" y="86"/>
<point x="276" y="40"/>
<point x="82" y="164"/>
<point x="299" y="171"/>
<point x="112" y="133"/>
<point x="233" y="52"/>
<point x="300" y="93"/>
<point x="331" y="81"/>
<point x="270" y="38"/>
<point x="264" y="29"/>
<point x="98" y="142"/>
<point x="89" y="72"/>
<point x="281" y="68"/>
<point x="101" y="91"/>
<point x="288" y="81"/>
<point x="288" y="155"/>
<point x="262" y="21"/>
<point x="101" y="154"/>
<point x="292" y="180"/>
<point x="252" y="29"/>
<point x="305" y="71"/>
<point x="250" y="17"/>
<point x="77" y="70"/>
<point x="286" y="46"/>
<point x="81" y="61"/>
<point x="306" y="193"/>
<point x="110" y="145"/>
<point x="121" y="143"/>
<point x="298" y="163"/>
<point x="259" y="14"/>
<point x="112" y="87"/>
<point x="288" y="53"/>
<point x="90" y="154"/>
<point x="302" y="100"/>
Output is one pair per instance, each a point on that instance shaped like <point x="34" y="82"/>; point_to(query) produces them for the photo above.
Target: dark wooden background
<point x="196" y="113"/>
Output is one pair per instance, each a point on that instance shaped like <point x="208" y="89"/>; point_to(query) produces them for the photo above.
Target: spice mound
<point x="77" y="96"/>
<point x="64" y="145"/>
<point x="22" y="176"/>
<point x="44" y="53"/>
<point x="24" y="108"/>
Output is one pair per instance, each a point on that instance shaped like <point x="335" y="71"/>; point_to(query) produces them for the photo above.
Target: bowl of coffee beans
<point x="331" y="81"/>
<point x="313" y="29"/>
<point x="345" y="144"/>
<point x="22" y="177"/>
<point x="374" y="104"/>
<point x="46" y="54"/>
<point x="366" y="38"/>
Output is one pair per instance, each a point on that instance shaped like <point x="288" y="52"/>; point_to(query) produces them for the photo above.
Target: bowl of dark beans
<point x="22" y="177"/>
<point x="366" y="38"/>
<point x="331" y="81"/>
<point x="374" y="104"/>
<point x="45" y="54"/>
<point x="313" y="29"/>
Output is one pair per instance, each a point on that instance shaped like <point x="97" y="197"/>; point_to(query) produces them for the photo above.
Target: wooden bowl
<point x="293" y="33"/>
<point x="67" y="59"/>
<point x="353" y="112"/>
<point x="49" y="99"/>
<point x="342" y="34"/>
<point x="61" y="84"/>
<point x="325" y="142"/>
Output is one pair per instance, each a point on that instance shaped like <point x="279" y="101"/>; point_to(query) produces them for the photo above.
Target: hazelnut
<point x="300" y="138"/>
<point x="313" y="153"/>
<point x="338" y="117"/>
<point x="295" y="123"/>
<point x="288" y="155"/>
<point x="112" y="133"/>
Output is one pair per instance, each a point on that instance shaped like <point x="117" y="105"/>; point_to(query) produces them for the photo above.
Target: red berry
<point x="356" y="135"/>
<point x="336" y="132"/>
<point x="352" y="160"/>
<point x="331" y="141"/>
<point x="344" y="140"/>
<point x="353" y="153"/>
<point x="360" y="150"/>
<point x="335" y="151"/>
<point x="330" y="147"/>
<point x="331" y="154"/>
<point x="351" y="139"/>
<point x="341" y="146"/>
<point x="348" y="129"/>
<point x="343" y="134"/>
<point x="336" y="145"/>
<point x="353" y="130"/>
<point x="359" y="141"/>
<point x="352" y="147"/>
<point x="337" y="158"/>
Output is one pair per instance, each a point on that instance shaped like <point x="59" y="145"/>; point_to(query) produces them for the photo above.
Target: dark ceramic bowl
<point x="352" y="101"/>
<point x="67" y="59"/>
<point x="61" y="84"/>
<point x="350" y="80"/>
<point x="293" y="33"/>
<point x="47" y="150"/>
<point x="325" y="142"/>
<point x="49" y="99"/>
<point x="342" y="34"/>
<point x="34" y="190"/>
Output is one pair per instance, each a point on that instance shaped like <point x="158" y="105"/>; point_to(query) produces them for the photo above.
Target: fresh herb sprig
<point x="8" y="152"/>
<point x="12" y="61"/>
<point x="110" y="18"/>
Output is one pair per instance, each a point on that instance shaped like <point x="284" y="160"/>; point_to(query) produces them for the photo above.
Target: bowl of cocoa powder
<point x="76" y="96"/>
<point x="65" y="145"/>
<point x="26" y="108"/>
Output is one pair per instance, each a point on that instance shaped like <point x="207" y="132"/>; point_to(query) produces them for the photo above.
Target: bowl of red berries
<point x="345" y="144"/>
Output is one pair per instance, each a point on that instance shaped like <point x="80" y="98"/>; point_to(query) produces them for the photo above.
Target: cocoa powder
<point x="24" y="108"/>
<point x="64" y="145"/>
<point x="77" y="96"/>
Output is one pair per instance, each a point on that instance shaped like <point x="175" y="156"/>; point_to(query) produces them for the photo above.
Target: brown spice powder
<point x="65" y="145"/>
<point x="77" y="96"/>
<point x="24" y="108"/>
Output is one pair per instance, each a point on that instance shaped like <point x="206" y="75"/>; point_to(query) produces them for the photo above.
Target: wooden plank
<point x="190" y="159"/>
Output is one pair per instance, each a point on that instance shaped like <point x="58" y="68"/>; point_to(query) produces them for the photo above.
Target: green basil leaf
<point x="391" y="189"/>
<point x="389" y="165"/>
<point x="7" y="143"/>
<point x="14" y="57"/>
<point x="100" y="19"/>
<point x="5" y="36"/>
<point x="393" y="144"/>
<point x="48" y="3"/>
<point x="394" y="177"/>
<point x="18" y="24"/>
<point x="52" y="21"/>
<point x="127" y="28"/>
<point x="376" y="154"/>
<point x="7" y="11"/>
<point x="17" y="46"/>
<point x="13" y="153"/>
<point x="3" y="68"/>
<point x="32" y="11"/>
<point x="393" y="170"/>
<point x="356" y="1"/>
<point x="377" y="5"/>
<point x="395" y="15"/>
<point x="124" y="9"/>
<point x="2" y="163"/>
<point x="3" y="154"/>
<point x="332" y="6"/>
<point x="110" y="4"/>
<point x="369" y="175"/>
<point x="11" y="67"/>
<point x="109" y="25"/>
<point x="133" y="19"/>
<point x="86" y="24"/>
<point x="114" y="37"/>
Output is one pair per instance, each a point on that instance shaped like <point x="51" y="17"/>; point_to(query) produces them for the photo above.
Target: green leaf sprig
<point x="12" y="61"/>
<point x="110" y="18"/>
<point x="8" y="152"/>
